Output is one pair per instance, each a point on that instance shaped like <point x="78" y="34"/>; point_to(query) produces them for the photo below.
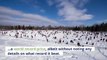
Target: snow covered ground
<point x="56" y="38"/>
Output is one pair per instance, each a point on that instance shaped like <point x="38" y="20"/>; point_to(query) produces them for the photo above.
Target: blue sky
<point x="52" y="12"/>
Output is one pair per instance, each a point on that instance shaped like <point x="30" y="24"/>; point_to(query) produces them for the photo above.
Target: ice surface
<point x="55" y="38"/>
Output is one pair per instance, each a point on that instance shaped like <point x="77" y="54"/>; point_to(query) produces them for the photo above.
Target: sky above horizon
<point x="52" y="12"/>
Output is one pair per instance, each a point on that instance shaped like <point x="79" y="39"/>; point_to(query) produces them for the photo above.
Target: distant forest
<point x="95" y="27"/>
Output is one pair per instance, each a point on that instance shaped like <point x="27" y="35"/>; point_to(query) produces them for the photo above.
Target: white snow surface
<point x="55" y="38"/>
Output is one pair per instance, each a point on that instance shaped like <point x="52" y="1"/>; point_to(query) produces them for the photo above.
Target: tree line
<point x="95" y="27"/>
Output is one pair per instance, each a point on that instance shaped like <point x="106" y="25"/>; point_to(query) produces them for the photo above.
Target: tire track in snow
<point x="101" y="52"/>
<point x="89" y="56"/>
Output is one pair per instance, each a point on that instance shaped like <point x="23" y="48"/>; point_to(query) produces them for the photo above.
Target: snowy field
<point x="56" y="38"/>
